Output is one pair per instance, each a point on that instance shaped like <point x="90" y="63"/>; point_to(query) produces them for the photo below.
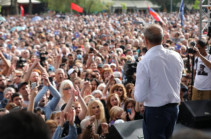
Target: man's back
<point x="163" y="68"/>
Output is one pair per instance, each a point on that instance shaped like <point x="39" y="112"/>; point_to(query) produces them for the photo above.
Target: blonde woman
<point x="115" y="113"/>
<point x="96" y="109"/>
<point x="66" y="88"/>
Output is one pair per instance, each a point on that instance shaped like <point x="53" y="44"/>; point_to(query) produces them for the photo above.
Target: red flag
<point x="22" y="10"/>
<point x="76" y="8"/>
<point x="155" y="15"/>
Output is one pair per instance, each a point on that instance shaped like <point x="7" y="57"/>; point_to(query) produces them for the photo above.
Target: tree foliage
<point x="89" y="6"/>
<point x="165" y="4"/>
<point x="196" y="5"/>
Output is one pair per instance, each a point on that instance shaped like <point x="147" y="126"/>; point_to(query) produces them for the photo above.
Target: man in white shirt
<point x="158" y="85"/>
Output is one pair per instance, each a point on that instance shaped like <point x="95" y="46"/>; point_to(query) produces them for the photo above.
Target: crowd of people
<point x="78" y="72"/>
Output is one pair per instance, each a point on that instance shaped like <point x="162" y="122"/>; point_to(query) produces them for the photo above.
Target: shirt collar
<point x="154" y="48"/>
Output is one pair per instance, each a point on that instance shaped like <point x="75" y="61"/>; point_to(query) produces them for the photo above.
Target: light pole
<point x="171" y="6"/>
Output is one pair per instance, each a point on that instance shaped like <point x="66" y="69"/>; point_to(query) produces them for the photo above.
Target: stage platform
<point x="133" y="130"/>
<point x="180" y="127"/>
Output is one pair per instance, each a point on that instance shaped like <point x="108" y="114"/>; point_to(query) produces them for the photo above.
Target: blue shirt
<point x="51" y="105"/>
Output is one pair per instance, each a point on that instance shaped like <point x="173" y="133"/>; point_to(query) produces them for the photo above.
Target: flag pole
<point x="200" y="29"/>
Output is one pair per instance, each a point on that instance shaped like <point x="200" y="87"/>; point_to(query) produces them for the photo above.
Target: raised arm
<point x="28" y="73"/>
<point x="56" y="96"/>
<point x="43" y="90"/>
<point x="107" y="86"/>
<point x="31" y="102"/>
<point x="204" y="60"/>
<point x="7" y="63"/>
<point x="70" y="101"/>
<point x="72" y="134"/>
<point x="115" y="56"/>
<point x="40" y="95"/>
<point x="84" y="110"/>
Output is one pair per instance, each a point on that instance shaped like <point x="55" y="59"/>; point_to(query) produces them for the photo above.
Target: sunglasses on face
<point x="118" y="89"/>
<point x="68" y="88"/>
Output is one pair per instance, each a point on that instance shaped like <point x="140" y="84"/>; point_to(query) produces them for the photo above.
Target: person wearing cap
<point x="72" y="73"/>
<point x="113" y="66"/>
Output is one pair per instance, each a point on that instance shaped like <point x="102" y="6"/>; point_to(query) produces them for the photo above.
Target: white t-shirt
<point x="203" y="75"/>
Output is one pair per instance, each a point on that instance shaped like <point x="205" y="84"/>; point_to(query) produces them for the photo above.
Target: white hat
<point x="70" y="71"/>
<point x="113" y="64"/>
<point x="97" y="92"/>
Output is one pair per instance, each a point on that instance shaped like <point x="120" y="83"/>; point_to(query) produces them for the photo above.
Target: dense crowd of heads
<point x="82" y="69"/>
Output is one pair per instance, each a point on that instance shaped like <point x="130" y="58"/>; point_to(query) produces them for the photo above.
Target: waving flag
<point x="22" y="10"/>
<point x="181" y="10"/>
<point x="76" y="7"/>
<point x="155" y="15"/>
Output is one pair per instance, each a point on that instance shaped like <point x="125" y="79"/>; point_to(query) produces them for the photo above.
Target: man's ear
<point x="145" y="41"/>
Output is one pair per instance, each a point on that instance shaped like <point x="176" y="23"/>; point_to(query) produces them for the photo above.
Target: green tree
<point x="124" y="7"/>
<point x="196" y="5"/>
<point x="89" y="6"/>
<point x="165" y="4"/>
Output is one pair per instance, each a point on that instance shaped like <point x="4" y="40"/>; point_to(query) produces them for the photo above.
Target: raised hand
<point x="62" y="119"/>
<point x="71" y="116"/>
<point x="46" y="81"/>
<point x="77" y="91"/>
<point x="34" y="92"/>
<point x="197" y="51"/>
<point x="104" y="127"/>
<point x="123" y="116"/>
<point x="132" y="114"/>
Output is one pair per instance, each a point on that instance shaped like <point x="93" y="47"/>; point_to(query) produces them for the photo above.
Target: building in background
<point x="12" y="7"/>
<point x="131" y="5"/>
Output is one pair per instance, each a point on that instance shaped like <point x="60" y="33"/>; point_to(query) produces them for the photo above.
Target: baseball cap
<point x="21" y="84"/>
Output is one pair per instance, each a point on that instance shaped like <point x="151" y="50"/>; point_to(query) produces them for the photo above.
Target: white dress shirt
<point x="158" y="77"/>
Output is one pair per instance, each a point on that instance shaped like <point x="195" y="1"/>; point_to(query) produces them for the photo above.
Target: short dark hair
<point x="201" y="43"/>
<point x="15" y="95"/>
<point x="23" y="125"/>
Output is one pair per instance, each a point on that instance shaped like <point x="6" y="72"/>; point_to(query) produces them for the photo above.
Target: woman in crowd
<point x="115" y="113"/>
<point x="66" y="89"/>
<point x="95" y="108"/>
<point x="129" y="108"/>
<point x="119" y="89"/>
<point x="112" y="100"/>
